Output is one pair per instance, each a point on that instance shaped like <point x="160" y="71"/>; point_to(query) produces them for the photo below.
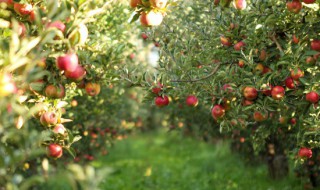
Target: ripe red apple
<point x="294" y="6"/>
<point x="76" y="75"/>
<point x="246" y="102"/>
<point x="58" y="25"/>
<point x="312" y="97"/>
<point x="289" y="82"/>
<point x="315" y="45"/>
<point x="74" y="103"/>
<point x="216" y="2"/>
<point x="156" y="90"/>
<point x="52" y="91"/>
<point x="250" y="93"/>
<point x="295" y="39"/>
<point x="225" y="41"/>
<point x="227" y="88"/>
<point x="277" y="92"/>
<point x="59" y="129"/>
<point x="144" y="36"/>
<point x="159" y="3"/>
<point x="7" y="85"/>
<point x="293" y="121"/>
<point x="310" y="60"/>
<point x="135" y="3"/>
<point x="241" y="63"/>
<point x="22" y="9"/>
<point x="309" y="1"/>
<point x="305" y="152"/>
<point x="258" y="116"/>
<point x="296" y="74"/>
<point x="151" y="18"/>
<point x="68" y="62"/>
<point x="217" y="112"/>
<point x="238" y="46"/>
<point x="161" y="101"/>
<point x="266" y="89"/>
<point x="283" y="120"/>
<point x="192" y="100"/>
<point x="54" y="150"/>
<point x="92" y="89"/>
<point x="240" y="4"/>
<point x="48" y="118"/>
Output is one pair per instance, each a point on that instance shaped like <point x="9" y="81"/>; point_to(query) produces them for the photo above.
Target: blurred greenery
<point x="170" y="161"/>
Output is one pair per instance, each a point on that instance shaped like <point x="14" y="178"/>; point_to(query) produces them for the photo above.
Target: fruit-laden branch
<point x="200" y="79"/>
<point x="274" y="39"/>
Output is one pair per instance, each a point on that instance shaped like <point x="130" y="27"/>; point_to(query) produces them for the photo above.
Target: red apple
<point x="289" y="82"/>
<point x="54" y="150"/>
<point x="144" y="36"/>
<point x="156" y="90"/>
<point x="250" y="93"/>
<point x="258" y="116"/>
<point x="305" y="152"/>
<point x="217" y="112"/>
<point x="295" y="39"/>
<point x="315" y="45"/>
<point x="161" y="101"/>
<point x="151" y="18"/>
<point x="246" y="102"/>
<point x="266" y="89"/>
<point x="309" y="1"/>
<point x="59" y="129"/>
<point x="310" y="60"/>
<point x="277" y="92"/>
<point x="22" y="9"/>
<point x="48" y="118"/>
<point x="293" y="121"/>
<point x="92" y="89"/>
<point x="158" y="3"/>
<point x="294" y="6"/>
<point x="238" y="46"/>
<point x="225" y="41"/>
<point x="192" y="100"/>
<point x="296" y="74"/>
<point x="227" y="88"/>
<point x="241" y="63"/>
<point x="240" y="4"/>
<point x="52" y="91"/>
<point x="76" y="75"/>
<point x="135" y="3"/>
<point x="312" y="97"/>
<point x="58" y="25"/>
<point x="68" y="62"/>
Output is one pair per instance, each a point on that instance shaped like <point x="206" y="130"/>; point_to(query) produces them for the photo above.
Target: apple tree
<point x="255" y="63"/>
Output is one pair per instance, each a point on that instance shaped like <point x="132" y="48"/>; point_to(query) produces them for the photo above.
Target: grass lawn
<point x="167" y="161"/>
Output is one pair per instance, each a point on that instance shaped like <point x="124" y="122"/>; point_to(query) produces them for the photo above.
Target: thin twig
<point x="199" y="79"/>
<point x="274" y="39"/>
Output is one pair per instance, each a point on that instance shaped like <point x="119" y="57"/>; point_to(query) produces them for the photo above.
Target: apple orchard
<point x="73" y="81"/>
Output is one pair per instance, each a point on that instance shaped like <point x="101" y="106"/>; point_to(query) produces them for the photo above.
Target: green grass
<point x="167" y="161"/>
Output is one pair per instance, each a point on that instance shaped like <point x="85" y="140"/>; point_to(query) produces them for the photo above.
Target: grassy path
<point x="168" y="162"/>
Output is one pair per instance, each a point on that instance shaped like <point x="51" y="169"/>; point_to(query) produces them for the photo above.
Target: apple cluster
<point x="151" y="12"/>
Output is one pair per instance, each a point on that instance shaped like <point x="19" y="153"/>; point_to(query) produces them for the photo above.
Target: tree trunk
<point x="278" y="166"/>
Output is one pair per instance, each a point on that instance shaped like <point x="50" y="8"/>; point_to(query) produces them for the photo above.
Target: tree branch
<point x="200" y="79"/>
<point x="274" y="39"/>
